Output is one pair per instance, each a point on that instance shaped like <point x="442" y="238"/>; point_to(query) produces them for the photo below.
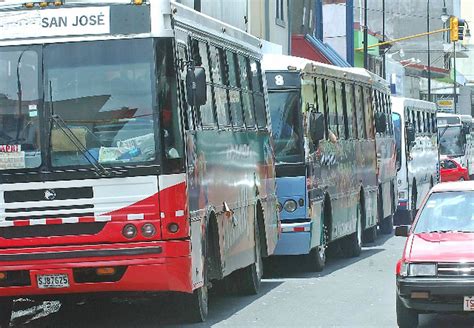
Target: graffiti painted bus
<point x="456" y="139"/>
<point x="331" y="168"/>
<point x="135" y="153"/>
<point x="416" y="135"/>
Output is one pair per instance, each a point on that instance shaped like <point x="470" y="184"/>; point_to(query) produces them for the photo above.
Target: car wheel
<point x="406" y="318"/>
<point x="461" y="179"/>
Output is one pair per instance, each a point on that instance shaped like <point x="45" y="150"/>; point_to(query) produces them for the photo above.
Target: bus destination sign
<point x="54" y="22"/>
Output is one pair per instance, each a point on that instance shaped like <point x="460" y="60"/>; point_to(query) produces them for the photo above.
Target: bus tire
<point x="197" y="302"/>
<point x="386" y="227"/>
<point x="249" y="278"/>
<point x="370" y="234"/>
<point x="316" y="259"/>
<point x="6" y="308"/>
<point x="351" y="245"/>
<point x="406" y="318"/>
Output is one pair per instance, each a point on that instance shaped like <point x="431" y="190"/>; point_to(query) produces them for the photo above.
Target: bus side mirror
<point x="196" y="88"/>
<point x="316" y="126"/>
<point x="380" y="122"/>
<point x="410" y="131"/>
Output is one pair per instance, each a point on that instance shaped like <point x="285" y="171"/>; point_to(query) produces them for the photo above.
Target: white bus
<point x="416" y="136"/>
<point x="455" y="139"/>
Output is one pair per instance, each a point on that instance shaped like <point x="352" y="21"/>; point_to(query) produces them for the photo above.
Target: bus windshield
<point x="287" y="126"/>
<point x="397" y="126"/>
<point x="19" y="101"/>
<point x="103" y="92"/>
<point x="451" y="141"/>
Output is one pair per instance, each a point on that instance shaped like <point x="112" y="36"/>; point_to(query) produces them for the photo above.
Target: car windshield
<point x="287" y="126"/>
<point x="447" y="211"/>
<point x="19" y="101"/>
<point x="451" y="142"/>
<point x="103" y="93"/>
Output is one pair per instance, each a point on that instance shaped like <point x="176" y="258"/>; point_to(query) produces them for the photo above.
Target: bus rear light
<point x="173" y="227"/>
<point x="29" y="5"/>
<point x="137" y="2"/>
<point x="148" y="230"/>
<point x="129" y="231"/>
<point x="301" y="201"/>
<point x="105" y="271"/>
<point x="3" y="275"/>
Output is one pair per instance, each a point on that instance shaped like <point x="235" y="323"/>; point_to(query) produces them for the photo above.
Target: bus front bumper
<point x="295" y="239"/>
<point x="136" y="267"/>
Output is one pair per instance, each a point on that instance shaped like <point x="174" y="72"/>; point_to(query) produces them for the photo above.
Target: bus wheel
<point x="351" y="245"/>
<point x="249" y="278"/>
<point x="6" y="307"/>
<point x="316" y="259"/>
<point x="197" y="302"/>
<point x="386" y="227"/>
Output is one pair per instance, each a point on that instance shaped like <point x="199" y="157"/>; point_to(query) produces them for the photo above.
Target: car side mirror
<point x="380" y="122"/>
<point x="402" y="231"/>
<point x="316" y="126"/>
<point x="410" y="133"/>
<point x="196" y="88"/>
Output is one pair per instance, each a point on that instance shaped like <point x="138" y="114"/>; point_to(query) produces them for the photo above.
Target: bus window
<point x="433" y="123"/>
<point x="350" y="106"/>
<point x="258" y="99"/>
<point x="220" y="93"/>
<point x="332" y="110"/>
<point x="418" y="121"/>
<point x="200" y="58"/>
<point x="189" y="115"/>
<point x="247" y="101"/>
<point x="369" y="114"/>
<point x="341" y="114"/>
<point x="321" y="96"/>
<point x="234" y="92"/>
<point x="360" y="113"/>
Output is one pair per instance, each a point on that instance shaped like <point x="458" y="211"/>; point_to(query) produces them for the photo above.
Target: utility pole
<point x="429" y="53"/>
<point x="383" y="39"/>
<point x="366" y="38"/>
<point x="455" y="93"/>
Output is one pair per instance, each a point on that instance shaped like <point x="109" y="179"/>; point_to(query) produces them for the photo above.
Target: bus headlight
<point x="290" y="205"/>
<point x="129" y="231"/>
<point x="148" y="230"/>
<point x="422" y="269"/>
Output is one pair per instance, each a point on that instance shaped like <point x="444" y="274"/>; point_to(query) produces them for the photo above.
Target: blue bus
<point x="335" y="156"/>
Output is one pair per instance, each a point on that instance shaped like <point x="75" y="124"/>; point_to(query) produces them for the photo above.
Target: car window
<point x="447" y="211"/>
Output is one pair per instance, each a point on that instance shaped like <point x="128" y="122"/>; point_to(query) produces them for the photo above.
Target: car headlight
<point x="422" y="270"/>
<point x="290" y="205"/>
<point x="403" y="269"/>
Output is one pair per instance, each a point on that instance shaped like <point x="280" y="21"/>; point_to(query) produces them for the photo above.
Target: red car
<point x="436" y="271"/>
<point x="451" y="170"/>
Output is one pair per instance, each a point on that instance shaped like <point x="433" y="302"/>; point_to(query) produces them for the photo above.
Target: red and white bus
<point x="135" y="152"/>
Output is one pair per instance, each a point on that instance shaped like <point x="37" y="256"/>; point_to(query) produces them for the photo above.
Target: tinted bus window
<point x="369" y="114"/>
<point x="200" y="57"/>
<point x="350" y="106"/>
<point x="340" y="111"/>
<point x="234" y="91"/>
<point x="331" y="106"/>
<point x="258" y="99"/>
<point x="361" y="132"/>
<point x="247" y="99"/>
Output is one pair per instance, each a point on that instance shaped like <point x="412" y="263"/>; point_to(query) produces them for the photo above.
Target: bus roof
<point x="273" y="62"/>
<point x="399" y="104"/>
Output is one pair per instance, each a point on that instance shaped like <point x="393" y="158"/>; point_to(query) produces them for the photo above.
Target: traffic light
<point x="454" y="29"/>
<point x="461" y="24"/>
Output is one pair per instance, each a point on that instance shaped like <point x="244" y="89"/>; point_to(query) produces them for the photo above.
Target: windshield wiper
<point x="444" y="131"/>
<point x="99" y="168"/>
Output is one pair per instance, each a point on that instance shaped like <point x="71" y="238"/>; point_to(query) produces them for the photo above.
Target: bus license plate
<point x="52" y="281"/>
<point x="468" y="303"/>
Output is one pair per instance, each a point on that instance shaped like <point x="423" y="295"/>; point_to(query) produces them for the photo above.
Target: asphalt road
<point x="358" y="292"/>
